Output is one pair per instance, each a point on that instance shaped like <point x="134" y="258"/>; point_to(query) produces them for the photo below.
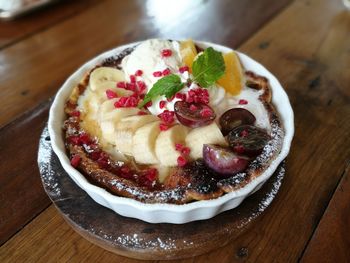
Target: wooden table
<point x="305" y="43"/>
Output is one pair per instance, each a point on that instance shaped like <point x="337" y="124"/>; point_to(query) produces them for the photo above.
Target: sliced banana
<point x="163" y="172"/>
<point x="144" y="143"/>
<point x="106" y="107"/>
<point x="209" y="134"/>
<point x="105" y="74"/>
<point x="126" y="128"/>
<point x="109" y="121"/>
<point x="165" y="144"/>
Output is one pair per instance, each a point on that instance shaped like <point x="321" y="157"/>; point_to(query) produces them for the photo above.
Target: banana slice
<point x="110" y="120"/>
<point x="105" y="74"/>
<point x="209" y="134"/>
<point x="163" y="172"/>
<point x="126" y="128"/>
<point x="165" y="144"/>
<point x="106" y="108"/>
<point x="144" y="142"/>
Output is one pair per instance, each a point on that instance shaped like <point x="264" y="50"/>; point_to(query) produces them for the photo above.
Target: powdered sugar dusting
<point x="136" y="241"/>
<point x="267" y="199"/>
<point x="48" y="174"/>
<point x="175" y="194"/>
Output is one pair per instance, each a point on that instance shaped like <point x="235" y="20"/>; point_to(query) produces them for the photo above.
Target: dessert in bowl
<point x="171" y="131"/>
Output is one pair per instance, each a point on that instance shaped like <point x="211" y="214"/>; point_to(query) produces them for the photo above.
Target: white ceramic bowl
<point x="168" y="213"/>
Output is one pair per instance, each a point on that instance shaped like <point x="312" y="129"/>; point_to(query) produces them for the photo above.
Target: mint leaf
<point x="167" y="86"/>
<point x="208" y="67"/>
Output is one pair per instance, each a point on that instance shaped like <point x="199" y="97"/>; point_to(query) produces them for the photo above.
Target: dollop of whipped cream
<point x="148" y="57"/>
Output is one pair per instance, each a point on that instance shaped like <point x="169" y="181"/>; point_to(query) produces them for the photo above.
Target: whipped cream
<point x="148" y="57"/>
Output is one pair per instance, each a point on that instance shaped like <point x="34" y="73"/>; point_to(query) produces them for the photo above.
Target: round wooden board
<point x="137" y="239"/>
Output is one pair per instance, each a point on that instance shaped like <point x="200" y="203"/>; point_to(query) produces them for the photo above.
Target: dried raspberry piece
<point x="121" y="102"/>
<point x="167" y="116"/>
<point x="184" y="69"/>
<point x="131" y="86"/>
<point x="185" y="151"/>
<point x="198" y="95"/>
<point x="151" y="174"/>
<point x="73" y="140"/>
<point x="132" y="78"/>
<point x="163" y="127"/>
<point x="75" y="113"/>
<point x="206" y="112"/>
<point x="103" y="161"/>
<point x="75" y="161"/>
<point x="166" y="72"/>
<point x="138" y="72"/>
<point x="121" y="85"/>
<point x="157" y="74"/>
<point x="141" y="85"/>
<point x="111" y="94"/>
<point x="178" y="147"/>
<point x="180" y="96"/>
<point x="141" y="113"/>
<point x="162" y="104"/>
<point x="242" y="102"/>
<point x="95" y="155"/>
<point x="84" y="139"/>
<point x="148" y="104"/>
<point x="181" y="161"/>
<point x="167" y="52"/>
<point x="126" y="102"/>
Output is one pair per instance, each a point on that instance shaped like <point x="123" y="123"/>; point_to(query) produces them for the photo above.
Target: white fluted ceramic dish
<point x="168" y="213"/>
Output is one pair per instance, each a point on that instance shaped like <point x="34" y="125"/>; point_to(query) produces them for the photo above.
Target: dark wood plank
<point x="309" y="53"/>
<point x="21" y="193"/>
<point x="33" y="69"/>
<point x="331" y="241"/>
<point x="15" y="30"/>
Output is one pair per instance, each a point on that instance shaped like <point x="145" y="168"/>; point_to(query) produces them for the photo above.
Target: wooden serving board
<point x="137" y="239"/>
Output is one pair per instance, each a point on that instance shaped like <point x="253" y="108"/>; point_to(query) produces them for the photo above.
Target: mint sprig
<point x="167" y="86"/>
<point x="206" y="70"/>
<point x="208" y="67"/>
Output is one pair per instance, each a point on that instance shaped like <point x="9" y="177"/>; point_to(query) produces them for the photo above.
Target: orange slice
<point x="232" y="80"/>
<point x="188" y="52"/>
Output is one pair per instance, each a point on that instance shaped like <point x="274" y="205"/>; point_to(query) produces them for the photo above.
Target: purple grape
<point x="248" y="140"/>
<point x="223" y="160"/>
<point x="194" y="114"/>
<point x="235" y="117"/>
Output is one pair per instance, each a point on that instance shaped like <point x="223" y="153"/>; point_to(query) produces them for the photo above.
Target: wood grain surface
<point x="331" y="240"/>
<point x="13" y="31"/>
<point x="306" y="45"/>
<point x="21" y="194"/>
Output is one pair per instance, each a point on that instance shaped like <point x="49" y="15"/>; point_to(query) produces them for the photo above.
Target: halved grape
<point x="235" y="117"/>
<point x="194" y="114"/>
<point x="248" y="140"/>
<point x="223" y="160"/>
